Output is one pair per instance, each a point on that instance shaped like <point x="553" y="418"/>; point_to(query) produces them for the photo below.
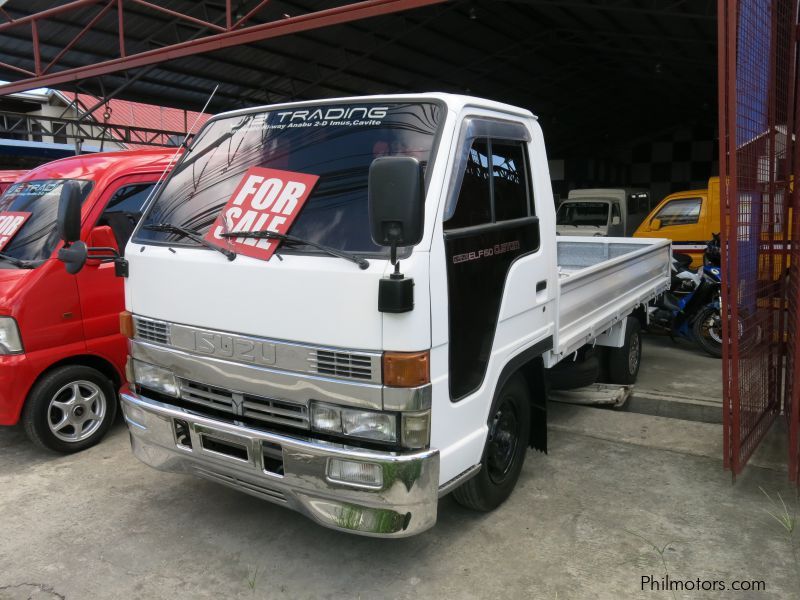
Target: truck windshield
<point x="37" y="203"/>
<point x="592" y="214"/>
<point x="336" y="142"/>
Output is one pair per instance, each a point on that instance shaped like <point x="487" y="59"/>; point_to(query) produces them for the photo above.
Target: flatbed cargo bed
<point x="602" y="281"/>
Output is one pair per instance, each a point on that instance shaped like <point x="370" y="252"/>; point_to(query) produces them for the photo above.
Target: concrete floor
<point x="678" y="369"/>
<point x="677" y="380"/>
<point x="579" y="525"/>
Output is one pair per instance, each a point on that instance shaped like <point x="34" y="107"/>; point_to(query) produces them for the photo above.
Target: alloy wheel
<point x="76" y="411"/>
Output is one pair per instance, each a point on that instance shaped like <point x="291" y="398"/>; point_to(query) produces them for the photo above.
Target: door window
<point x="474" y="198"/>
<point x="124" y="210"/>
<point x="685" y="211"/>
<point x="616" y="217"/>
<point x="509" y="179"/>
<point x="495" y="187"/>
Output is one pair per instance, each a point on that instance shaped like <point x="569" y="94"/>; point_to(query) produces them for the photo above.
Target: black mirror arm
<point x="111" y="253"/>
<point x="393" y="234"/>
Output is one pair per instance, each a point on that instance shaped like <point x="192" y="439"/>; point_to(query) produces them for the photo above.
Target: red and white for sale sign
<point x="264" y="200"/>
<point x="10" y="224"/>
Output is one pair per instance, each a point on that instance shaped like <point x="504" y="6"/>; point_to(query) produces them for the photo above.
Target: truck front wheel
<point x="69" y="409"/>
<point x="504" y="452"/>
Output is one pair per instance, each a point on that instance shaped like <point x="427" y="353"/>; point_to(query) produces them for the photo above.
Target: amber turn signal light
<point x="406" y="369"/>
<point x="126" y="324"/>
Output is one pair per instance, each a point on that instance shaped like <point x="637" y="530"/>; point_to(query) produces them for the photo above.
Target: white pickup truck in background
<point x="602" y="212"/>
<point x="328" y="380"/>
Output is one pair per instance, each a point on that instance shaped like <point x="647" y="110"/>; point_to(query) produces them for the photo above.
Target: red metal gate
<point x="791" y="405"/>
<point x="757" y="81"/>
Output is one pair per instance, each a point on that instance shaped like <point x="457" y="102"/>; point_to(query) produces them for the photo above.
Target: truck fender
<point x="530" y="365"/>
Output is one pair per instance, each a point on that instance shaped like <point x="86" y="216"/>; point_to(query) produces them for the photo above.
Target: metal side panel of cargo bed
<point x="603" y="280"/>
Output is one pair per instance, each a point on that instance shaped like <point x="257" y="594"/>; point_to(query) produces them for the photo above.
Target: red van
<point x="62" y="357"/>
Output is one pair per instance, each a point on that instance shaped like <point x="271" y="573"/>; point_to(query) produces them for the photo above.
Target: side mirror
<point x="102" y="247"/>
<point x="396" y="217"/>
<point x="102" y="238"/>
<point x="69" y="212"/>
<point x="74" y="256"/>
<point x="615" y="220"/>
<point x="396" y="201"/>
<point x="655" y="224"/>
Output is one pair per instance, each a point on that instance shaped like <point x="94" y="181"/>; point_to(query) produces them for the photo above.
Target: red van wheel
<point x="69" y="409"/>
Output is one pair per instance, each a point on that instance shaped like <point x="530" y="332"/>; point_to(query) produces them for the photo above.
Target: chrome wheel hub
<point x="713" y="326"/>
<point x="76" y="411"/>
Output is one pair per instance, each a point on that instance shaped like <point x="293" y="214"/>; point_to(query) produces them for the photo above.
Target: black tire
<point x="623" y="363"/>
<point x="504" y="452"/>
<point x="707" y="331"/>
<point x="74" y="402"/>
<point x="568" y="375"/>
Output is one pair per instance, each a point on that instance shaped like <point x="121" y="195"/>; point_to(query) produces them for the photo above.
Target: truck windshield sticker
<point x="337" y="116"/>
<point x="264" y="200"/>
<point x="10" y="224"/>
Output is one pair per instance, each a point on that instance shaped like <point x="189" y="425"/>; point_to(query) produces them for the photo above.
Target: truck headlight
<point x="10" y="342"/>
<point x="156" y="378"/>
<point x="354" y="422"/>
<point x="416" y="429"/>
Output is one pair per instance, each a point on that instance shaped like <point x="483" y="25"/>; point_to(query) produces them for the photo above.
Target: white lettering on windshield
<point x="33" y="188"/>
<point x="354" y="115"/>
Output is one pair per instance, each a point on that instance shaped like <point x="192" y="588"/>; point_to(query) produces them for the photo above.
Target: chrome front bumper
<point x="405" y="504"/>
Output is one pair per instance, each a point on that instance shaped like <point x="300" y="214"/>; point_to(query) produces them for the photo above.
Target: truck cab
<point x="602" y="212"/>
<point x="347" y="306"/>
<point x="688" y="218"/>
<point x="62" y="357"/>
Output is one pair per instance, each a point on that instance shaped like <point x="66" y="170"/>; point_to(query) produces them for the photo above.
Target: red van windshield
<point x="38" y="200"/>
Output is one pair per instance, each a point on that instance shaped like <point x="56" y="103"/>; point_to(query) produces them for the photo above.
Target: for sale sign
<point x="10" y="224"/>
<point x="264" y="200"/>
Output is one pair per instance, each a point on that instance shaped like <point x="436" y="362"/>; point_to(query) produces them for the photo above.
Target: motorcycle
<point x="691" y="309"/>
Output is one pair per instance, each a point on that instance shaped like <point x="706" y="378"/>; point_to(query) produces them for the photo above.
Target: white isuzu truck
<point x="348" y="307"/>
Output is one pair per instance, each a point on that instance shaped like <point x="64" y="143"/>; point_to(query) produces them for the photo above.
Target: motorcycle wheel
<point x="707" y="331"/>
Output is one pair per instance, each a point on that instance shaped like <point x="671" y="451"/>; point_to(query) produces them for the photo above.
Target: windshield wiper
<point x="18" y="262"/>
<point x="191" y="234"/>
<point x="294" y="241"/>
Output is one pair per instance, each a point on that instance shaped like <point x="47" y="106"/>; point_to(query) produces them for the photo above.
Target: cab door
<point x="101" y="292"/>
<point x="493" y="282"/>
<point x="684" y="221"/>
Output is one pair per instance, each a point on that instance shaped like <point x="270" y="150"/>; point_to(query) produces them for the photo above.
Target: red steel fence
<point x="761" y="291"/>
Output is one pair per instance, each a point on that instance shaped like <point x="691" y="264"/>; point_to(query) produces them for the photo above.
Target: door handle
<point x="541" y="286"/>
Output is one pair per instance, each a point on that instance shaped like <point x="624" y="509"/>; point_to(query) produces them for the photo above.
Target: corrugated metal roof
<point x="150" y="116"/>
<point x="595" y="71"/>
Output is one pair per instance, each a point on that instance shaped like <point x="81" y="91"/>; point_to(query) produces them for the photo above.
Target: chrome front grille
<point x="341" y="364"/>
<point x="206" y="395"/>
<point x="247" y="406"/>
<point x="151" y="330"/>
